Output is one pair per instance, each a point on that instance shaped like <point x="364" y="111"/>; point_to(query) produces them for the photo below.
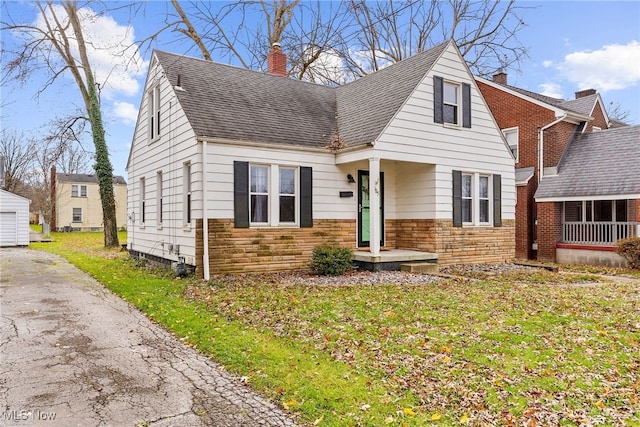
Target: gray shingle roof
<point x="523" y="175"/>
<point x="581" y="106"/>
<point x="221" y="101"/>
<point x="85" y="178"/>
<point x="602" y="163"/>
<point x="366" y="105"/>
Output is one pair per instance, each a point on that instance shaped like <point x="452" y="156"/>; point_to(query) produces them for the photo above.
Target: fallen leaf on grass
<point x="436" y="416"/>
<point x="409" y="411"/>
<point x="290" y="403"/>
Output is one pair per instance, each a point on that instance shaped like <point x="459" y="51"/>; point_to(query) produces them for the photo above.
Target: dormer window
<point x="451" y="102"/>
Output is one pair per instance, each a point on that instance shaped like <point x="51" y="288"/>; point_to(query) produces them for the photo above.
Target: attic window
<point x="451" y="102"/>
<point x="153" y="107"/>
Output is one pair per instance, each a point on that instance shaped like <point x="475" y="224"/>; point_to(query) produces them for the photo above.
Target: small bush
<point x="331" y="261"/>
<point x="629" y="249"/>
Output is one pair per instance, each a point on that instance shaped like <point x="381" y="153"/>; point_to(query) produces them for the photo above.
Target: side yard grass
<point x="532" y="348"/>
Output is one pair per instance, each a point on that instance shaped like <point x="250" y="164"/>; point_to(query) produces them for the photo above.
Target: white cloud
<point x="112" y="52"/>
<point x="547" y="64"/>
<point x="126" y="112"/>
<point x="551" y="89"/>
<point x="613" y="67"/>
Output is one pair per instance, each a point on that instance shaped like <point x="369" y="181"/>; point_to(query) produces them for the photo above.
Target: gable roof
<point x="85" y="178"/>
<point x="578" y="108"/>
<point x="225" y="102"/>
<point x="595" y="165"/>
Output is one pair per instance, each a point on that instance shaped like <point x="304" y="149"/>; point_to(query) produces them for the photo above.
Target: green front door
<point x="364" y="225"/>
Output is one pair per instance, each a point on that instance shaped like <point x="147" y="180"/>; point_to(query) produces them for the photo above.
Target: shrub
<point x="331" y="261"/>
<point x="629" y="249"/>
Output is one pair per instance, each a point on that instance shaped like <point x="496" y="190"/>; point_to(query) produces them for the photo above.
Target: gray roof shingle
<point x="85" y="178"/>
<point x="221" y="101"/>
<point x="602" y="163"/>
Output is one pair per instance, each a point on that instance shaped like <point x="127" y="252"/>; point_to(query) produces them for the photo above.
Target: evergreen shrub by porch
<point x="331" y="261"/>
<point x="629" y="249"/>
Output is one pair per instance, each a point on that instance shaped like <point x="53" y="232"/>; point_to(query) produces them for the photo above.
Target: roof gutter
<point x="205" y="215"/>
<point x="541" y="144"/>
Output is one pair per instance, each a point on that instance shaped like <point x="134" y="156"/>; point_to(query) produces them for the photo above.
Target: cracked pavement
<point x="73" y="353"/>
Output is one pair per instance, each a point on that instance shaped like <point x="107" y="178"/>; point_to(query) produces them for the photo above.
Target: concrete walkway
<point x="74" y="354"/>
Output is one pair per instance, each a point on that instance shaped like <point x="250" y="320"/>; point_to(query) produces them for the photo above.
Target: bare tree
<point x="16" y="152"/>
<point x="335" y="42"/>
<point x="617" y="114"/>
<point x="387" y="32"/>
<point x="60" y="45"/>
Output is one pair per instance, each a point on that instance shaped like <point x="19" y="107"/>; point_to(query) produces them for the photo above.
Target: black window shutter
<point x="241" y="194"/>
<point x="457" y="198"/>
<point x="306" y="197"/>
<point x="497" y="201"/>
<point x="466" y="105"/>
<point x="438" y="100"/>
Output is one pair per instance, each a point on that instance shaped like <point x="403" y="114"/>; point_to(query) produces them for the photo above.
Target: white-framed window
<point x="159" y="197"/>
<point x="143" y="201"/>
<point x="512" y="136"/>
<point x="259" y="194"/>
<point x="476" y="196"/>
<point x="186" y="186"/>
<point x="273" y="201"/>
<point x="153" y="107"/>
<point x="76" y="215"/>
<point x="287" y="202"/>
<point x="451" y="102"/>
<point x="78" y="190"/>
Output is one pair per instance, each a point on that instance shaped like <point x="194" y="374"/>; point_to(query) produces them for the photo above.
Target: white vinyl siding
<point x="14" y="219"/>
<point x="512" y="136"/>
<point x="411" y="138"/>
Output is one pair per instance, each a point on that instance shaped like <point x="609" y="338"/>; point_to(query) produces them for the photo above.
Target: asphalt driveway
<point x="72" y="353"/>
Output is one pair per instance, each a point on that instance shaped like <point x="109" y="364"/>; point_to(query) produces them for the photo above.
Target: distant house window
<point x="477" y="199"/>
<point x="76" y="215"/>
<point x="451" y="102"/>
<point x="511" y="135"/>
<point x="78" y="191"/>
<point x="272" y="195"/>
<point x="153" y="106"/>
<point x="159" y="196"/>
<point x="186" y="183"/>
<point x="143" y="201"/>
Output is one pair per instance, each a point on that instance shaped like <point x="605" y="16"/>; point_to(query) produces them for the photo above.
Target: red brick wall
<point x="634" y="210"/>
<point x="510" y="111"/>
<point x="549" y="230"/>
<point x="598" y="119"/>
<point x="555" y="141"/>
<point x="525" y="214"/>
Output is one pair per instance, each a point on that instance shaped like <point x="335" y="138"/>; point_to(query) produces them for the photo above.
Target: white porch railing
<point x="598" y="233"/>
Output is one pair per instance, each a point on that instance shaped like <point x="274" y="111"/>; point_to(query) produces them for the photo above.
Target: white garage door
<point x="8" y="229"/>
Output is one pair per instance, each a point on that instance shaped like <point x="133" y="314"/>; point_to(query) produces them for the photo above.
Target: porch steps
<point x="419" y="267"/>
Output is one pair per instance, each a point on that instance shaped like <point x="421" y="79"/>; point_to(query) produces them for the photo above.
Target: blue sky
<point x="572" y="46"/>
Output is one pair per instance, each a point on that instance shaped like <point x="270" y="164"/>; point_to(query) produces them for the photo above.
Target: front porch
<point x="391" y="259"/>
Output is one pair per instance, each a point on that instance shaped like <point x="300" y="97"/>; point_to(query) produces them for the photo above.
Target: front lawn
<point x="526" y="348"/>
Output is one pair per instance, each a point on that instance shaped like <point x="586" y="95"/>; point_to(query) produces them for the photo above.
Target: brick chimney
<point x="500" y="77"/>
<point x="277" y="61"/>
<point x="586" y="92"/>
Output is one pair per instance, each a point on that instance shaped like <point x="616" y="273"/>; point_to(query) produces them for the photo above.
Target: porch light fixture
<point x="350" y="179"/>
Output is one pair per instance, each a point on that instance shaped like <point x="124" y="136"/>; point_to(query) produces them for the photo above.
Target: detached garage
<point x="14" y="219"/>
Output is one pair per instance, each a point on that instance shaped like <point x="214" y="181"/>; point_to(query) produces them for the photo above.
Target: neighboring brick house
<point x="77" y="205"/>
<point x="538" y="129"/>
<point x="593" y="200"/>
<point x="233" y="170"/>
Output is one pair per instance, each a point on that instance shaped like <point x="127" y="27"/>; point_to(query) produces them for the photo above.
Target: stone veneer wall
<point x="458" y="245"/>
<point x="243" y="250"/>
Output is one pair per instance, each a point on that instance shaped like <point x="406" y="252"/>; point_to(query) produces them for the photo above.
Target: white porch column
<point x="374" y="206"/>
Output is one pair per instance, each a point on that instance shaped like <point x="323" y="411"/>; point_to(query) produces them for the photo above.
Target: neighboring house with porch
<point x="233" y="170"/>
<point x="538" y="129"/>
<point x="593" y="200"/>
<point x="77" y="205"/>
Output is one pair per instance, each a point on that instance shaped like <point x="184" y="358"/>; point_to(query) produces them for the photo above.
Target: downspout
<point x="205" y="216"/>
<point x="541" y="141"/>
